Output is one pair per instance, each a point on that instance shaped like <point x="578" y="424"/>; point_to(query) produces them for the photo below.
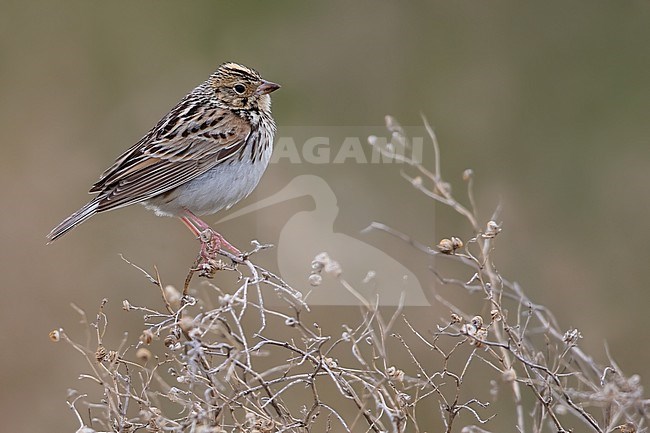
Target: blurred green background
<point x="548" y="102"/>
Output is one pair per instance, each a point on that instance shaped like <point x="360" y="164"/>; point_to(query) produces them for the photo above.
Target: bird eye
<point x="240" y="88"/>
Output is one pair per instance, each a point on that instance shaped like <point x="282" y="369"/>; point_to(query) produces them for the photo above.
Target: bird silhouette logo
<point x="372" y="273"/>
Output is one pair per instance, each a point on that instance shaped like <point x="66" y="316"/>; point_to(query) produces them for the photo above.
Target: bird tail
<point x="73" y="220"/>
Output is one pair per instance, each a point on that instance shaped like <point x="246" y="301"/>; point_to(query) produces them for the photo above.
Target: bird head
<point x="237" y="87"/>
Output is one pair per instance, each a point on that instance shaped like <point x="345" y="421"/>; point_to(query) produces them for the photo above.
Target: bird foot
<point x="210" y="245"/>
<point x="212" y="241"/>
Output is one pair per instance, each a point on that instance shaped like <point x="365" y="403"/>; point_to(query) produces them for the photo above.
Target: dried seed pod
<point x="477" y="321"/>
<point x="571" y="337"/>
<point x="395" y="373"/>
<point x="480" y="336"/>
<point x="449" y="246"/>
<point x="455" y="318"/>
<point x="403" y="399"/>
<point x="628" y="427"/>
<point x="331" y="363"/>
<point x="446" y="246"/>
<point x="170" y="341"/>
<point x="264" y="425"/>
<point x="143" y="355"/>
<point x="147" y="336"/>
<point x="172" y="294"/>
<point x="315" y="280"/>
<point x="100" y="353"/>
<point x="55" y="336"/>
<point x="492" y="229"/>
<point x="468" y="329"/>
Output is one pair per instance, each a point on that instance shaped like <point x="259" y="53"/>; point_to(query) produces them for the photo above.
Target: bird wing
<point x="181" y="147"/>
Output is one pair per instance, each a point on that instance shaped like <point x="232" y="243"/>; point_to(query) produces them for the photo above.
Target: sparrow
<point x="208" y="153"/>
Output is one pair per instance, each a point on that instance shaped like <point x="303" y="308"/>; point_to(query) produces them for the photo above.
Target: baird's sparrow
<point x="206" y="154"/>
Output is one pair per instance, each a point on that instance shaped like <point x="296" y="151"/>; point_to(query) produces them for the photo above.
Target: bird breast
<point x="220" y="187"/>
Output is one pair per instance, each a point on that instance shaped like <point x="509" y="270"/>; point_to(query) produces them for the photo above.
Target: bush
<point x="212" y="361"/>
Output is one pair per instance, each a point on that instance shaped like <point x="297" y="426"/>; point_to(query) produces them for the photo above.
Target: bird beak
<point x="266" y="87"/>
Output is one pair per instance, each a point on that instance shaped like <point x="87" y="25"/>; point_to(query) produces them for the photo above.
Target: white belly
<point x="220" y="187"/>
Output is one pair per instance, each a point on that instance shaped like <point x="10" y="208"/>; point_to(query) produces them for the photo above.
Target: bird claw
<point x="206" y="236"/>
<point x="211" y="243"/>
<point x="207" y="263"/>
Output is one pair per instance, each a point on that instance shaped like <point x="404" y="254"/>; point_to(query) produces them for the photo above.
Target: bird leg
<point x="211" y="241"/>
<point x="206" y="262"/>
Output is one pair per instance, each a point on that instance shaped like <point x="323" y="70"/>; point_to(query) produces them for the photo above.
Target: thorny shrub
<point x="217" y="361"/>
